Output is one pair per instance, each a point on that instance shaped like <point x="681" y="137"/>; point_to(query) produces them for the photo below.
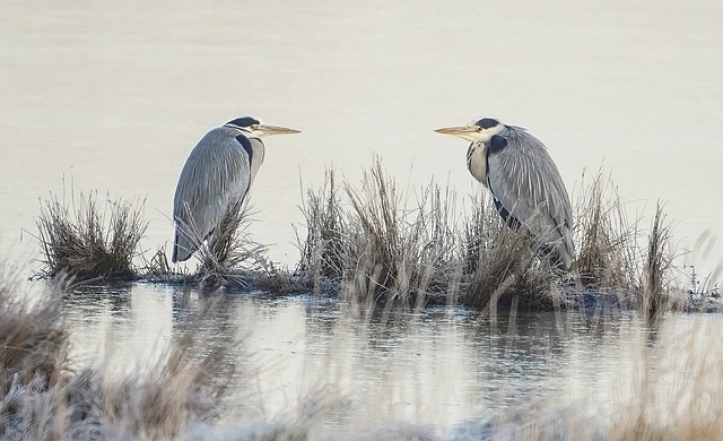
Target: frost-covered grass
<point x="42" y="397"/>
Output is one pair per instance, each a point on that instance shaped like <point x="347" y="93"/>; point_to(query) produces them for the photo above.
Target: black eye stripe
<point x="245" y="121"/>
<point x="487" y="123"/>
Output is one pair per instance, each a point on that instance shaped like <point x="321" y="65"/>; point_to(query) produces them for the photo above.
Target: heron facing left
<point x="217" y="175"/>
<point x="526" y="186"/>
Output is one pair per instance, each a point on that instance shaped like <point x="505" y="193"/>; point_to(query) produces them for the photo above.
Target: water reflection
<point x="118" y="322"/>
<point x="439" y="367"/>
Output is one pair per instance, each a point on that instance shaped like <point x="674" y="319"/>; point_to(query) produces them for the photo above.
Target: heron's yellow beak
<point x="456" y="131"/>
<point x="465" y="132"/>
<point x="264" y="130"/>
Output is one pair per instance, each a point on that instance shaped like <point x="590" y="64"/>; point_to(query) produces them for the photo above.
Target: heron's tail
<point x="184" y="244"/>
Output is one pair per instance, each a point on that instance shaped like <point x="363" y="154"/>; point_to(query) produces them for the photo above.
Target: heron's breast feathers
<point x="477" y="162"/>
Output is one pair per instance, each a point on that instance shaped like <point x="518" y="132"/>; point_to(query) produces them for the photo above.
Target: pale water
<point x="442" y="367"/>
<point x="113" y="95"/>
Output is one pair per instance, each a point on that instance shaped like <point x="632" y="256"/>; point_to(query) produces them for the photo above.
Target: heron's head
<point x="253" y="128"/>
<point x="476" y="131"/>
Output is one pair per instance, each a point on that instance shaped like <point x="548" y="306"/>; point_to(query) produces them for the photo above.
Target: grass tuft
<point x="501" y="268"/>
<point x="34" y="345"/>
<point x="87" y="239"/>
<point x="381" y="251"/>
<point x="322" y="250"/>
<point x="655" y="292"/>
<point x="386" y="254"/>
<point x="229" y="250"/>
<point x="607" y="252"/>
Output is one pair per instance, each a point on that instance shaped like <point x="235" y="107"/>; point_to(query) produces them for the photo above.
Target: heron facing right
<point x="216" y="177"/>
<point x="525" y="184"/>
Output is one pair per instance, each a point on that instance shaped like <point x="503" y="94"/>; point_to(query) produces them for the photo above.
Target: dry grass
<point x="381" y="251"/>
<point x="501" y="268"/>
<point x="42" y="398"/>
<point x="174" y="394"/>
<point x="157" y="267"/>
<point x="321" y="250"/>
<point x="702" y="292"/>
<point x="606" y="241"/>
<point x="233" y="260"/>
<point x="230" y="248"/>
<point x="383" y="254"/>
<point x="34" y="343"/>
<point x="403" y="254"/>
<point x="87" y="240"/>
<point x="377" y="247"/>
<point x="655" y="286"/>
<point x="615" y="255"/>
<point x="95" y="243"/>
<point x="228" y="258"/>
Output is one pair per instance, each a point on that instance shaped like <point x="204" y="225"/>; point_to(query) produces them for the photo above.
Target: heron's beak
<point x="264" y="130"/>
<point x="465" y="132"/>
<point x="456" y="131"/>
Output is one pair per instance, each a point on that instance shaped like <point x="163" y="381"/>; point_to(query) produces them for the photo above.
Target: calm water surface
<point x="442" y="367"/>
<point x="113" y="95"/>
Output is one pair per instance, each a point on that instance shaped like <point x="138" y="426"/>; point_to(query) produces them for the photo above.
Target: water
<point x="440" y="368"/>
<point x="112" y="96"/>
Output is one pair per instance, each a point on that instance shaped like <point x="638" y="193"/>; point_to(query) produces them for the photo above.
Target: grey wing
<point x="526" y="183"/>
<point x="216" y="173"/>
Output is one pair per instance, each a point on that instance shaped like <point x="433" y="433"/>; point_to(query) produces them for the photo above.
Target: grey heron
<point x="525" y="184"/>
<point x="218" y="173"/>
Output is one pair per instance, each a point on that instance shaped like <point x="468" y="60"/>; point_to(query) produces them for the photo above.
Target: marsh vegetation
<point x="386" y="247"/>
<point x="87" y="238"/>
<point x="379" y="248"/>
<point x="389" y="247"/>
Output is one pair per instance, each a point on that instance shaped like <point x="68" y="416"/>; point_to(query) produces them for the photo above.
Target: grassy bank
<point x="88" y="240"/>
<point x="382" y="247"/>
<point x="388" y="251"/>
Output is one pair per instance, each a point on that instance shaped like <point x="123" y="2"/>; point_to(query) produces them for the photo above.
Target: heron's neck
<point x="477" y="161"/>
<point x="257" y="146"/>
